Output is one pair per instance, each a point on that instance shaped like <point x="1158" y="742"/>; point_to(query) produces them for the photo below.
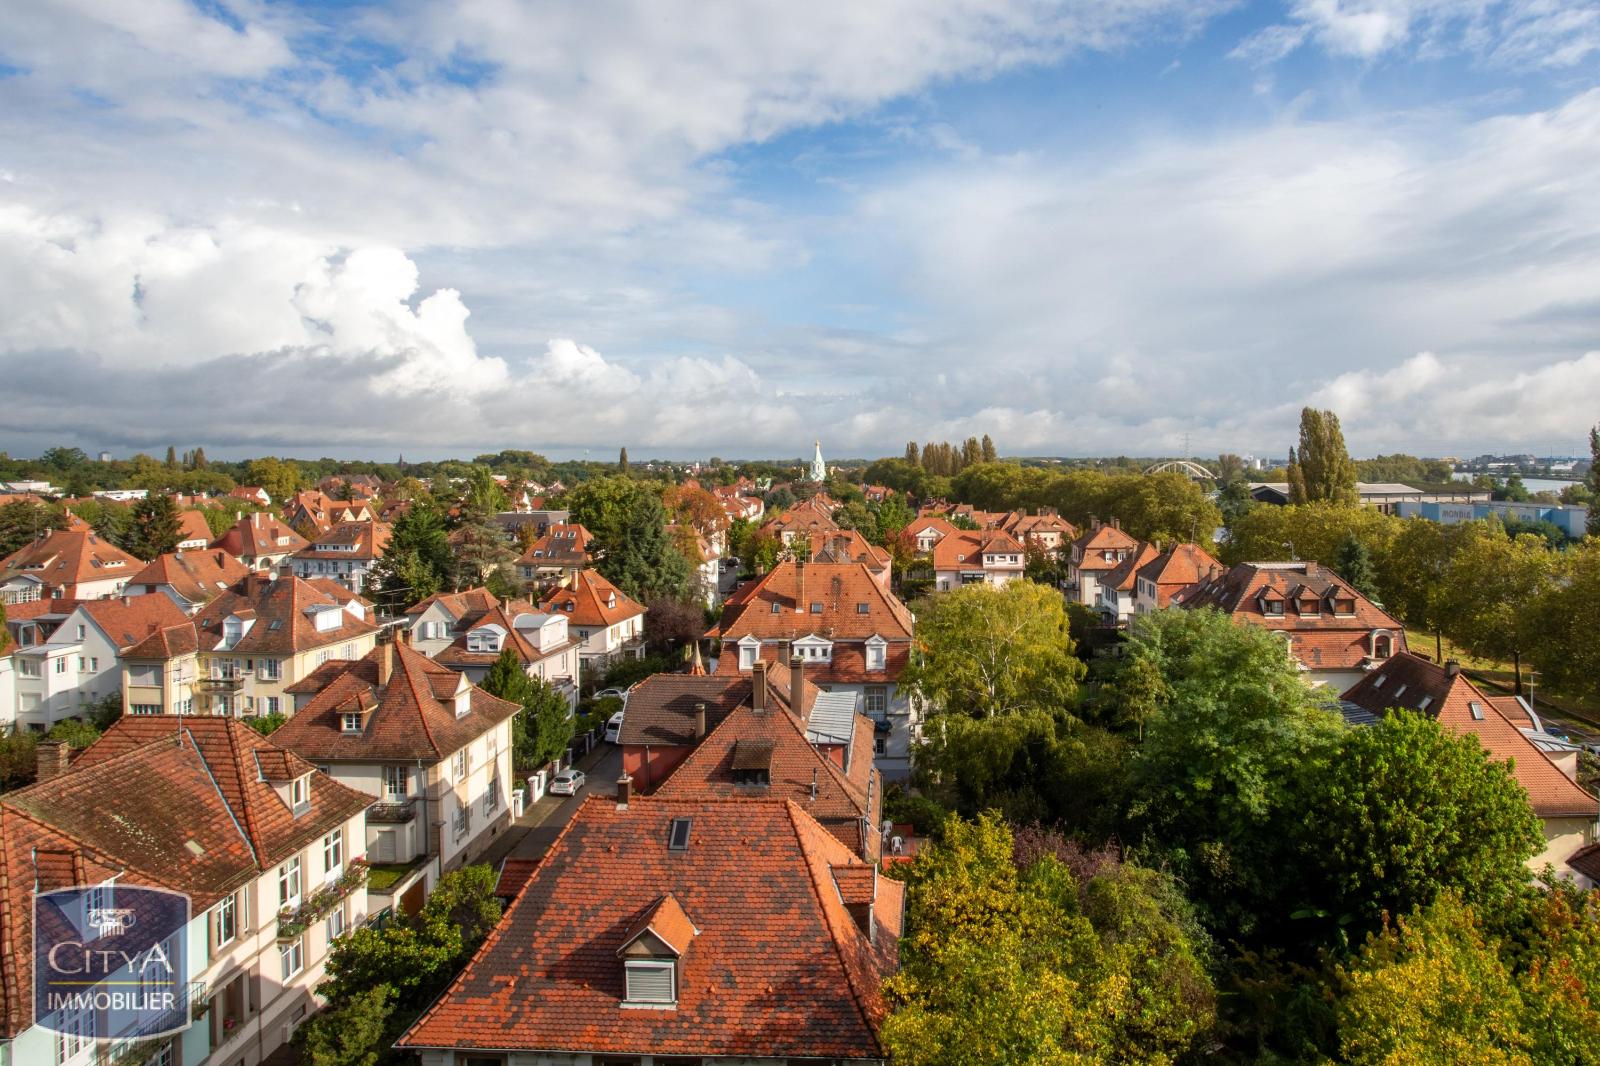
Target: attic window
<point x="816" y="608"/>
<point x="300" y="795"/>
<point x="611" y="600"/>
<point x="1477" y="710"/>
<point x="273" y="626"/>
<point x="651" y="982"/>
<point x="863" y="608"/>
<point x="776" y="608"/>
<point x="1399" y="692"/>
<point x="1424" y="704"/>
<point x="350" y="722"/>
<point x="678" y="834"/>
<point x="1378" y="681"/>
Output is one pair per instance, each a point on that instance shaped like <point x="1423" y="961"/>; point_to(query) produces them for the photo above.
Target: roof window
<point x="678" y="834"/>
<point x="863" y="608"/>
<point x="350" y="722"/>
<point x="816" y="607"/>
<point x="1477" y="710"/>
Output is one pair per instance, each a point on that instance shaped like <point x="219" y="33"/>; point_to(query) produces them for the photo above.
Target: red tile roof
<point x="1090" y="548"/>
<point x="1178" y="568"/>
<point x="466" y="604"/>
<point x="838" y="588"/>
<point x="1123" y="576"/>
<point x="198" y="576"/>
<point x="561" y="545"/>
<point x="504" y="616"/>
<point x="361" y="541"/>
<point x="1414" y="683"/>
<point x="258" y="534"/>
<point x="282" y="610"/>
<point x="65" y="558"/>
<point x="128" y="620"/>
<point x="964" y="550"/>
<point x="592" y="601"/>
<point x="192" y="525"/>
<point x="779" y="969"/>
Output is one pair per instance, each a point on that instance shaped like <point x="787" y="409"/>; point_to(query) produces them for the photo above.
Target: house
<point x="317" y="511"/>
<point x="1567" y="811"/>
<point x="260" y="541"/>
<point x="541" y="519"/>
<point x="346" y="553"/>
<point x="608" y="621"/>
<point x="269" y="633"/>
<point x="431" y="747"/>
<point x="541" y="640"/>
<point x="854" y="636"/>
<point x="251" y="494"/>
<point x="268" y="851"/>
<point x="1046" y="530"/>
<point x="191" y="579"/>
<point x="1335" y="633"/>
<point x="711" y="931"/>
<point x="923" y="534"/>
<point x="358" y="486"/>
<point x="194" y="532"/>
<point x="73" y="563"/>
<point x="80" y="663"/>
<point x="1116" y="588"/>
<point x="846" y="546"/>
<point x="161" y="673"/>
<point x="806" y="517"/>
<point x="667" y="716"/>
<point x="985" y="557"/>
<point x="704" y="557"/>
<point x="556" y="556"/>
<point x="1095" y="554"/>
<point x="764" y="747"/>
<point x="1164" y="578"/>
<point x="433" y="624"/>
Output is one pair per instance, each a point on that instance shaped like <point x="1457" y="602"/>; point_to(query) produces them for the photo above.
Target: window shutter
<point x="649" y="983"/>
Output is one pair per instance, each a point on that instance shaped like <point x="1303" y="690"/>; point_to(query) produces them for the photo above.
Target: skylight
<point x="1477" y="710"/>
<point x="678" y="834"/>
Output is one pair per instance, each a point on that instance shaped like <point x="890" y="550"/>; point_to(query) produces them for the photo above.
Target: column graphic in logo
<point x="110" y="962"/>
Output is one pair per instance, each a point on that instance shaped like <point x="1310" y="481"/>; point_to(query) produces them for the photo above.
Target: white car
<point x="613" y="694"/>
<point x="614" y="727"/>
<point x="567" y="783"/>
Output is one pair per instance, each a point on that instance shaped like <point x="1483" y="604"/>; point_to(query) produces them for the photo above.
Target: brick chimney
<point x="624" y="791"/>
<point x="1452" y="668"/>
<point x="1116" y="523"/>
<point x="800" y="603"/>
<point x="797" y="677"/>
<point x="758" y="685"/>
<point x="51" y="758"/>
<point x="699" y="720"/>
<point x="385" y="660"/>
<point x="1094" y="521"/>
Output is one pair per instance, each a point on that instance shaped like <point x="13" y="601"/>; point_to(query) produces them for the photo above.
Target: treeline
<point x="943" y="459"/>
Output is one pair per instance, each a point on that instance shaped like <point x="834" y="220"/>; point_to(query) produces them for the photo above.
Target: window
<point x="776" y="607"/>
<point x="292" y="958"/>
<point x="863" y="608"/>
<point x="73" y="1040"/>
<point x="323" y="655"/>
<point x="226" y="926"/>
<point x="268" y="669"/>
<point x="28" y="667"/>
<point x="875" y="700"/>
<point x="678" y="834"/>
<point x="462" y="821"/>
<point x="350" y="722"/>
<point x="336" y="924"/>
<point x="1477" y="710"/>
<point x="82" y="632"/>
<point x="651" y="982"/>
<point x="145" y="708"/>
<point x="61" y="665"/>
<point x="395" y="782"/>
<point x="876" y="654"/>
<point x="300" y="795"/>
<point x="458" y="765"/>
<point x="880" y="745"/>
<point x="816" y="608"/>
<point x="289" y="884"/>
<point x="333" y="854"/>
<point x="269" y="705"/>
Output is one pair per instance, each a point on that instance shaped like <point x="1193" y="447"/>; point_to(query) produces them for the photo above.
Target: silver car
<point x="567" y="783"/>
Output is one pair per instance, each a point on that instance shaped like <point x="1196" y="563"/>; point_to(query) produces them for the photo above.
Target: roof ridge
<point x="247" y="831"/>
<point x="427" y="731"/>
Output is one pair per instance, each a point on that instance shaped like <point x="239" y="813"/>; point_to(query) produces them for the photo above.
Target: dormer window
<point x="1476" y="709"/>
<point x="300" y="795"/>
<point x="463" y="703"/>
<point x="350" y="722"/>
<point x="611" y="599"/>
<point x="877" y="653"/>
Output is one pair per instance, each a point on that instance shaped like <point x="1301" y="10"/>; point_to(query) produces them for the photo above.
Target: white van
<point x="614" y="727"/>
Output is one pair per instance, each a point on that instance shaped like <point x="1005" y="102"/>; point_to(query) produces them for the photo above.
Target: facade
<point x="260" y="541"/>
<point x="557" y="556"/>
<point x="853" y="636"/>
<point x="608" y="623"/>
<point x="1046" y="530"/>
<point x="925" y="533"/>
<point x="1567" y="811"/>
<point x="623" y="946"/>
<point x="1117" y="587"/>
<point x="985" y="557"/>
<point x="81" y="662"/>
<point x="73" y="563"/>
<point x="315" y="510"/>
<point x="262" y="835"/>
<point x="433" y="624"/>
<point x="270" y="633"/>
<point x="1385" y="496"/>
<point x="1571" y="520"/>
<point x="191" y="579"/>
<point x="161" y="673"/>
<point x="346" y="553"/>
<point x="1334" y="632"/>
<point x="542" y="642"/>
<point x="803" y="519"/>
<point x="432" y="749"/>
<point x="1094" y="554"/>
<point x="1163" y="579"/>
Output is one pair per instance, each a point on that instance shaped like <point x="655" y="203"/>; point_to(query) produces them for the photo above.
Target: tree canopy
<point x="1321" y="470"/>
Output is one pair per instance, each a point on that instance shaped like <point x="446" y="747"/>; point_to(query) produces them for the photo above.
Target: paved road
<point x="542" y="822"/>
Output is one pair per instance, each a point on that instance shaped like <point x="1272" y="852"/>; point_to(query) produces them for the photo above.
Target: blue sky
<point x="1092" y="227"/>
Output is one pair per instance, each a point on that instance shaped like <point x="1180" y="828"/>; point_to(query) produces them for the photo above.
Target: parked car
<point x="567" y="783"/>
<point x="614" y="727"/>
<point x="613" y="693"/>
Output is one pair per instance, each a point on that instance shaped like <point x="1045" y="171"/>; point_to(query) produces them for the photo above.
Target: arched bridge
<point x="1182" y="466"/>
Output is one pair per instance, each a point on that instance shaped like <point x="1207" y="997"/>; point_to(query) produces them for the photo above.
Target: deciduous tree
<point x="1322" y="468"/>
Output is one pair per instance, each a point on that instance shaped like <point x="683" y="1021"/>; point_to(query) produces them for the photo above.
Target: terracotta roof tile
<point x="591" y="600"/>
<point x="283" y="610"/>
<point x="65" y="558"/>
<point x="198" y="576"/>
<point x="838" y="589"/>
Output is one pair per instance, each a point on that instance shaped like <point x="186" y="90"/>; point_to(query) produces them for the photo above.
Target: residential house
<point x="191" y="579"/>
<point x="1094" y="554"/>
<point x="73" y="563"/>
<point x="433" y="624"/>
<point x="846" y="546"/>
<point x="267" y="850"/>
<point x="357" y="486"/>
<point x="557" y="556"/>
<point x="271" y="632"/>
<point x="161" y="673"/>
<point x="194" y="532"/>
<point x="540" y="519"/>
<point x="260" y="541"/>
<point x="346" y="553"/>
<point x="984" y="557"/>
<point x="608" y="621"/>
<point x="704" y="557"/>
<point x="542" y="641"/>
<point x="923" y="534"/>
<point x="80" y="663"/>
<point x="853" y="635"/>
<point x="668" y="715"/>
<point x="321" y="513"/>
<point x="1164" y="579"/>
<point x="251" y="494"/>
<point x="804" y="518"/>
<point x="430" y="746"/>
<point x="1335" y="633"/>
<point x="1116" y="588"/>
<point x="1406" y="681"/>
<point x="625" y="946"/>
<point x="1046" y="530"/>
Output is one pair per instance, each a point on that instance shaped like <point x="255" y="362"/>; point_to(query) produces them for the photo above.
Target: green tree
<point x="280" y="477"/>
<point x="644" y="562"/>
<point x="988" y="449"/>
<point x="1561" y="983"/>
<point x="350" y="1034"/>
<point x="22" y="520"/>
<point x="1432" y="990"/>
<point x="544" y="727"/>
<point x="622" y="462"/>
<point x="986" y="651"/>
<point x="1594" y="480"/>
<point x="172" y="458"/>
<point x="418" y="561"/>
<point x="1354" y="564"/>
<point x="266" y="724"/>
<point x="1566" y="652"/>
<point x="484" y="498"/>
<point x="156" y="527"/>
<point x="1489" y="592"/>
<point x="1322" y="468"/>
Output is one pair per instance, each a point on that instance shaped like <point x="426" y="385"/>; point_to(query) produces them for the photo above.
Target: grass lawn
<point x="381" y="877"/>
<point x="1499" y="678"/>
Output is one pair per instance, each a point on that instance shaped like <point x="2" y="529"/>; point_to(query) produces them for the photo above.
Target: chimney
<point x="758" y="685"/>
<point x="1452" y="668"/>
<point x="1094" y="522"/>
<point x="624" y="791"/>
<point x="800" y="603"/>
<point x="50" y="759"/>
<point x="219" y="559"/>
<point x="699" y="720"/>
<point x="797" y="676"/>
<point x="127" y="600"/>
<point x="1116" y="523"/>
<point x="385" y="661"/>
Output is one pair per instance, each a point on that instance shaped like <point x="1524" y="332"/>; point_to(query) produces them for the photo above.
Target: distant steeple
<point x="819" y="469"/>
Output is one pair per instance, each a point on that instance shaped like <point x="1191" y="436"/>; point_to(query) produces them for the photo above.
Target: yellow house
<point x="159" y="673"/>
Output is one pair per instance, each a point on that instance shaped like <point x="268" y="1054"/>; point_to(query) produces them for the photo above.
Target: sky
<point x="1083" y="227"/>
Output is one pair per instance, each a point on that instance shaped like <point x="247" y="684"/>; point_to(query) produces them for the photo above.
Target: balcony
<point x="394" y="812"/>
<point x="222" y="683"/>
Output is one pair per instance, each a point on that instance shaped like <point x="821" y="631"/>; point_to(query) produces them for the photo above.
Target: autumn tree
<point x="280" y="477"/>
<point x="1322" y="468"/>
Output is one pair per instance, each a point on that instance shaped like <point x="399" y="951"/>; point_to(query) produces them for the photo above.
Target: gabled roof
<point x="842" y="546"/>
<point x="166" y="643"/>
<point x="964" y="549"/>
<point x="282" y="611"/>
<point x="779" y="968"/>
<point x="1413" y="683"/>
<point x="927" y="523"/>
<point x="563" y="544"/>
<point x="128" y="620"/>
<point x="192" y="525"/>
<point x="591" y="600"/>
<point x="1022" y="526"/>
<point x="259" y="534"/>
<point x="65" y="558"/>
<point x="1239" y="591"/>
<point x="464" y="605"/>
<point x="504" y="618"/>
<point x="1089" y="547"/>
<point x="363" y="541"/>
<point x="661" y="708"/>
<point x="1123" y="576"/>
<point x="198" y="576"/>
<point x="1179" y="567"/>
<point x="411" y="717"/>
<point x="665" y="921"/>
<point x="840" y="590"/>
<point x="807" y="515"/>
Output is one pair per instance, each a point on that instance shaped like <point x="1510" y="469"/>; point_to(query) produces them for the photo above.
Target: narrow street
<point x="543" y="821"/>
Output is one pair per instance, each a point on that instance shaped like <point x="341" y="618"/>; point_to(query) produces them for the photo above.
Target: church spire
<point x="819" y="469"/>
